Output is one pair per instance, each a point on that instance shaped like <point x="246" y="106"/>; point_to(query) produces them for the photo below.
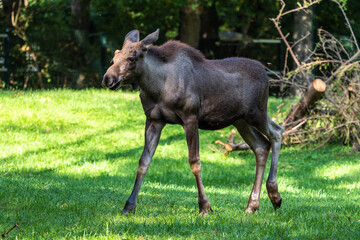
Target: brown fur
<point x="169" y="50"/>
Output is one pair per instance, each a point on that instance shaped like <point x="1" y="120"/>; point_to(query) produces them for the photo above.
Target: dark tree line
<point x="69" y="43"/>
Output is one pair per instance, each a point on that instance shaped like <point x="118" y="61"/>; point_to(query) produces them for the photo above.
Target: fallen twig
<point x="3" y="235"/>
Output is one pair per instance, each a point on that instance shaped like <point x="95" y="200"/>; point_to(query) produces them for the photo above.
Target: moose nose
<point x="109" y="79"/>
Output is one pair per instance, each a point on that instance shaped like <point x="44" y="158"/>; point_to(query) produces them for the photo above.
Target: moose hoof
<point x="204" y="208"/>
<point x="250" y="210"/>
<point x="129" y="208"/>
<point x="128" y="211"/>
<point x="252" y="207"/>
<point x="204" y="212"/>
<point x="273" y="194"/>
<point x="277" y="204"/>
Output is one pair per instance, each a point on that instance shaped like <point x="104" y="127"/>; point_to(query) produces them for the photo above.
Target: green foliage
<point x="343" y="3"/>
<point x="144" y="15"/>
<point x="328" y="16"/>
<point x="50" y="33"/>
<point x="68" y="161"/>
<point x="247" y="17"/>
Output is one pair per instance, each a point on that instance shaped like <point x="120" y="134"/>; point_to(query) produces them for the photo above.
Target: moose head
<point x="128" y="62"/>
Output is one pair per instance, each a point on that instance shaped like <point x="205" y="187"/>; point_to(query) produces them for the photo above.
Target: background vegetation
<point x="69" y="43"/>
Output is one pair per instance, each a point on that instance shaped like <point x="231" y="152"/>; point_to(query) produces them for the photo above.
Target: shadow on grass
<point x="135" y="153"/>
<point x="65" y="145"/>
<point x="49" y="204"/>
<point x="83" y="139"/>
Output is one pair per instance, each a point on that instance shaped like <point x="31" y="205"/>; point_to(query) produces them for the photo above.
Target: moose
<point x="178" y="85"/>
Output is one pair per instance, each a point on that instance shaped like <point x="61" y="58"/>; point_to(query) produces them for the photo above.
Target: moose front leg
<point x="152" y="136"/>
<point x="192" y="139"/>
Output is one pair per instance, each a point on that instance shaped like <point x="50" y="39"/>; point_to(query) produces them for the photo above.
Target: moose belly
<point x="214" y="125"/>
<point x="219" y="117"/>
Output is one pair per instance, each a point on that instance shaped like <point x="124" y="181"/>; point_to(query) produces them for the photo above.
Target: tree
<point x="80" y="10"/>
<point x="81" y="24"/>
<point x="190" y="26"/>
<point x="304" y="38"/>
<point x="209" y="31"/>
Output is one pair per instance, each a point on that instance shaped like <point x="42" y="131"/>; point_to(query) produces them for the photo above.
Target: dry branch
<point x="234" y="146"/>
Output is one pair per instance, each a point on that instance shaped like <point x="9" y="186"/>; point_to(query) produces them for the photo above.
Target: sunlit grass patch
<point x="68" y="162"/>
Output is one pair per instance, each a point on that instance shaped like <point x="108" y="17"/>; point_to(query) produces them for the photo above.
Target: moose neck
<point x="153" y="77"/>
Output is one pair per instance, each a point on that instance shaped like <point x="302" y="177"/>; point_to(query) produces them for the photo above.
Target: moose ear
<point x="132" y="36"/>
<point x="150" y="39"/>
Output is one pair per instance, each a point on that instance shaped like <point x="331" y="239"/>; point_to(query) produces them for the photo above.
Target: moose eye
<point x="131" y="59"/>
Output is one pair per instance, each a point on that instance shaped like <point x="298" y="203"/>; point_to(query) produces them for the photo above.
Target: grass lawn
<point x="68" y="161"/>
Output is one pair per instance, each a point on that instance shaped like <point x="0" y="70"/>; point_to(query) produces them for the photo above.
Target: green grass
<point x="68" y="161"/>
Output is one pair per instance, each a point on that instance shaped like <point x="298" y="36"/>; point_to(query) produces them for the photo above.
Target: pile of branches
<point x="329" y="109"/>
<point x="335" y="115"/>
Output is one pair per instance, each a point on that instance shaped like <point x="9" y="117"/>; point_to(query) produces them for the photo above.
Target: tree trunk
<point x="81" y="23"/>
<point x="303" y="26"/>
<point x="190" y="23"/>
<point x="7" y="8"/>
<point x="209" y="32"/>
<point x="81" y="19"/>
<point x="315" y="90"/>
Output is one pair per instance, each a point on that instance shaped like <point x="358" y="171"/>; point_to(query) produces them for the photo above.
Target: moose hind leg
<point x="275" y="135"/>
<point x="273" y="132"/>
<point x="260" y="146"/>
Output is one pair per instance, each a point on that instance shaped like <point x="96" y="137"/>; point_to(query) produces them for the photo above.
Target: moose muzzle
<point x="111" y="80"/>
